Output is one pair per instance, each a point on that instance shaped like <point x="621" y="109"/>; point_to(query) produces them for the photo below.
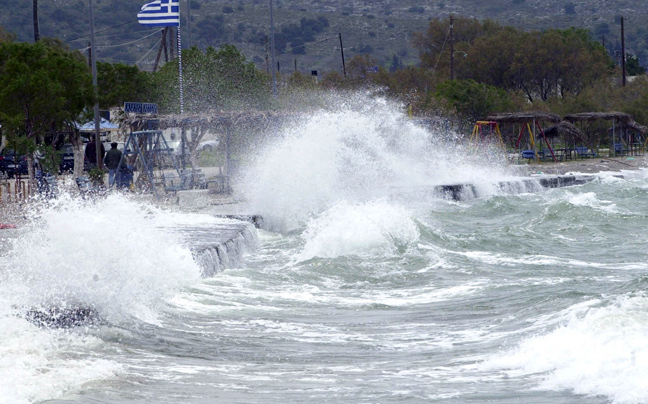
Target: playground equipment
<point x="532" y="137"/>
<point x="148" y="152"/>
<point x="487" y="133"/>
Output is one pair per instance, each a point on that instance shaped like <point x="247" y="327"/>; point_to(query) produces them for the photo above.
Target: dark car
<point x="67" y="159"/>
<point x="11" y="164"/>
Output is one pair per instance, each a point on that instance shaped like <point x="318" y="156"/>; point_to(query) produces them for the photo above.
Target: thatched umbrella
<point x="524" y="117"/>
<point x="595" y="116"/>
<point x="566" y="130"/>
<point x="620" y="121"/>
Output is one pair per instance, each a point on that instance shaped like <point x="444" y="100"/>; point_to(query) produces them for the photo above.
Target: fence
<point x="14" y="190"/>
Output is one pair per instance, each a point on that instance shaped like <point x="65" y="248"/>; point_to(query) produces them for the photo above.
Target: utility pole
<point x="163" y="47"/>
<point x="36" y="29"/>
<point x="90" y="55"/>
<point x="266" y="56"/>
<point x="272" y="51"/>
<point x="342" y="51"/>
<point x="451" y="48"/>
<point x="188" y="40"/>
<point x="95" y="88"/>
<point x="623" y="52"/>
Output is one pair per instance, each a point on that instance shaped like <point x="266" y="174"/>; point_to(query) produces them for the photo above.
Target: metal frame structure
<point x="153" y="151"/>
<point x="532" y="136"/>
<point x="479" y="136"/>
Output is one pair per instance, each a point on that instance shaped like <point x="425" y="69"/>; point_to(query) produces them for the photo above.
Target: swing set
<point x="533" y="153"/>
<point x="484" y="132"/>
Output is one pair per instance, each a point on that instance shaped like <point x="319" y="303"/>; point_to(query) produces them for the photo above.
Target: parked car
<point x="11" y="164"/>
<point x="67" y="159"/>
<point x="207" y="146"/>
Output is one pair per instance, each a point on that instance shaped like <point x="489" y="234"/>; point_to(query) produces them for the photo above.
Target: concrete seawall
<point x="217" y="247"/>
<point x="460" y="192"/>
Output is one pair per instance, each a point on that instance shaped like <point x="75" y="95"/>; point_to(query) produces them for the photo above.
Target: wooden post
<point x="266" y="56"/>
<point x="272" y="52"/>
<point x="35" y="15"/>
<point x="162" y="47"/>
<point x="342" y="51"/>
<point x="451" y="48"/>
<point x="623" y="51"/>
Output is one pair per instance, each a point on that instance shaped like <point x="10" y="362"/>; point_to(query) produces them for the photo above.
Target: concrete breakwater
<point x="461" y="192"/>
<point x="221" y="246"/>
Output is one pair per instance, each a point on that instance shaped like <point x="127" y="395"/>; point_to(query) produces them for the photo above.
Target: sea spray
<point x="358" y="149"/>
<point x="111" y="255"/>
<point x="598" y="351"/>
<point x="371" y="228"/>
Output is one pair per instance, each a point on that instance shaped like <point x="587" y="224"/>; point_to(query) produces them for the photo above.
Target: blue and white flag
<point x="160" y="13"/>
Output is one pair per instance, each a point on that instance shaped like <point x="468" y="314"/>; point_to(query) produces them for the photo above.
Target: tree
<point x="541" y="64"/>
<point x="6" y="36"/>
<point x="633" y="67"/>
<point x="43" y="87"/>
<point x="473" y="100"/>
<point x="119" y="83"/>
<point x="433" y="47"/>
<point x="213" y="79"/>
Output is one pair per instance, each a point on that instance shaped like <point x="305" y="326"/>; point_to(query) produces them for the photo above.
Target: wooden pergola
<point x="194" y="127"/>
<point x="529" y="121"/>
<point x="621" y="122"/>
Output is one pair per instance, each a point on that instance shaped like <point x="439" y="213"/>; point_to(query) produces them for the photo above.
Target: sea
<point x="362" y="285"/>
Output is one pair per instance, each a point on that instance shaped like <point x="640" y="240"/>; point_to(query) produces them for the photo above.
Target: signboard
<point x="140" y="108"/>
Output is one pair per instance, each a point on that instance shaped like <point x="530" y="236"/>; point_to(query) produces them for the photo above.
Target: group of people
<point x="110" y="160"/>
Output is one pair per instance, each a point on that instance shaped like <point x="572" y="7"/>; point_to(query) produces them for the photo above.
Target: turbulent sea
<point x="364" y="287"/>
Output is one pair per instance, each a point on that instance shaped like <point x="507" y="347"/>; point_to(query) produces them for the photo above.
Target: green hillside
<point x="307" y="30"/>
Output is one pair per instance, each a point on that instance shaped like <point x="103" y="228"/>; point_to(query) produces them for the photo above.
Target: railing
<point x="14" y="190"/>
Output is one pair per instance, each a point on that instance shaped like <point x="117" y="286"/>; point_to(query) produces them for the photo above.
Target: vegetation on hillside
<point x="46" y="87"/>
<point x="306" y="29"/>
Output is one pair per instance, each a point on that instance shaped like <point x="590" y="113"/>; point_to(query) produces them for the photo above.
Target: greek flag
<point x="160" y="13"/>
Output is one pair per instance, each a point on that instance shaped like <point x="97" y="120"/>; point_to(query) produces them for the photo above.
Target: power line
<point x="131" y="42"/>
<point x="149" y="51"/>
<point x="103" y="30"/>
<point x="307" y="44"/>
<point x="125" y="43"/>
<point x="122" y="34"/>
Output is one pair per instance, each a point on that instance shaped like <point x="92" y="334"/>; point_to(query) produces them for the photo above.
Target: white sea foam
<point x="359" y="149"/>
<point x="603" y="352"/>
<point x="111" y="255"/>
<point x="42" y="364"/>
<point x="589" y="199"/>
<point x="375" y="227"/>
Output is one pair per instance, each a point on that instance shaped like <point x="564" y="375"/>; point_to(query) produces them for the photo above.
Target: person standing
<point x="111" y="161"/>
<point x="91" y="153"/>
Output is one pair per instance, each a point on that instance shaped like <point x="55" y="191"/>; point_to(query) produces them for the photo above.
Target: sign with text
<point x="140" y="108"/>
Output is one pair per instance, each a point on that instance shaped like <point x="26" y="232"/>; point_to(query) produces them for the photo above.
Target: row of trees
<point x="45" y="87"/>
<point x="46" y="90"/>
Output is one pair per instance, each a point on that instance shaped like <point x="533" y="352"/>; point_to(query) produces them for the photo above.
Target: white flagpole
<point x="180" y="70"/>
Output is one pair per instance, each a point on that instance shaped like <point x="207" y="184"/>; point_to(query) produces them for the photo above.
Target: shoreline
<point x="10" y="211"/>
<point x="587" y="166"/>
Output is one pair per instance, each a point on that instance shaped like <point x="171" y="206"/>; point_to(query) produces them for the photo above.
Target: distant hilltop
<point x="307" y="30"/>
